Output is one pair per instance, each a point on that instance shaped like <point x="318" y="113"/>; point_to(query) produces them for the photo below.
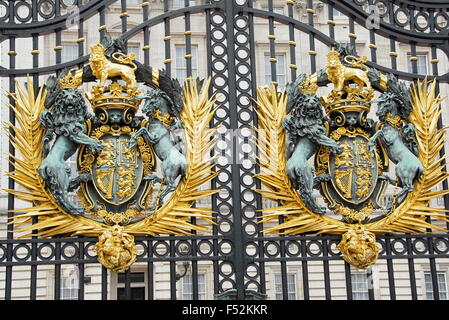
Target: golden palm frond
<point x="171" y="218"/>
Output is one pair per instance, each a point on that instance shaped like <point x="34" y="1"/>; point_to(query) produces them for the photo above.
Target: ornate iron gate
<point x="237" y="247"/>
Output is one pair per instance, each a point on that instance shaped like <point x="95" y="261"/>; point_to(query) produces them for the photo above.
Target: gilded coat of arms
<point x="134" y="176"/>
<point x="352" y="154"/>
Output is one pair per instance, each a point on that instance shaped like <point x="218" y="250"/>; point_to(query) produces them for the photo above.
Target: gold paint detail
<point x="434" y="61"/>
<point x="166" y="38"/>
<point x="292" y="43"/>
<point x="81" y="40"/>
<point x="72" y="81"/>
<point x="352" y="35"/>
<point x="372" y="46"/>
<point x="12" y="53"/>
<point x="145" y="4"/>
<point x="312" y="52"/>
<point x="309" y="10"/>
<point x="393" y="54"/>
<point x="357" y="98"/>
<point x="359" y="247"/>
<point x="354" y="216"/>
<point x="116" y="249"/>
<point x="57" y="48"/>
<point x="332" y="22"/>
<point x="103" y="27"/>
<point x="271" y="36"/>
<point x="35" y="52"/>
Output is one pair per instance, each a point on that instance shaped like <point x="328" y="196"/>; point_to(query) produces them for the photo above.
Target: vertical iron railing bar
<point x="124" y="20"/>
<point x="238" y="237"/>
<point x="214" y="169"/>
<point x="331" y="22"/>
<point x="172" y="270"/>
<point x="273" y="63"/>
<point x="34" y="10"/>
<point x="81" y="254"/>
<point x="104" y="283"/>
<point x="352" y="35"/>
<point x="413" y="57"/>
<point x="188" y="38"/>
<point x="390" y="270"/>
<point x="369" y="275"/>
<point x="12" y="152"/>
<point x="271" y="40"/>
<point x="372" y="36"/>
<point x="258" y="197"/>
<point x="304" y="266"/>
<point x="102" y="22"/>
<point x="33" y="274"/>
<point x="312" y="49"/>
<point x="292" y="43"/>
<point x="284" y="270"/>
<point x="58" y="49"/>
<point x="150" y="271"/>
<point x="168" y="69"/>
<point x="167" y="40"/>
<point x="411" y="270"/>
<point x="127" y="284"/>
<point x="348" y="278"/>
<point x="57" y="283"/>
<point x="81" y="39"/>
<point x="146" y="34"/>
<point x="393" y="54"/>
<point x="326" y="271"/>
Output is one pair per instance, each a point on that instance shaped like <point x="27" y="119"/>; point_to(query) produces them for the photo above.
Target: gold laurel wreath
<point x="409" y="217"/>
<point x="172" y="218"/>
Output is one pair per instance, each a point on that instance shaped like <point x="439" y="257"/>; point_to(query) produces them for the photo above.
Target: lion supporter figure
<point x="64" y="120"/>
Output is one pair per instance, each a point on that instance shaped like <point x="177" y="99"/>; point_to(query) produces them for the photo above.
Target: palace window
<point x="442" y="285"/>
<point x="70" y="286"/>
<point x="69" y="52"/>
<point x="291" y="286"/>
<point x="422" y="63"/>
<point x="281" y="72"/>
<point x="187" y="287"/>
<point x="181" y="63"/>
<point x="359" y="282"/>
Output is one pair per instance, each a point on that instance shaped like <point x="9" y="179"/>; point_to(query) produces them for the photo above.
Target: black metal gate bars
<point x="245" y="44"/>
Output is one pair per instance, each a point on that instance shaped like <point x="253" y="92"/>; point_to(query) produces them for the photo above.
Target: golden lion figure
<point x="340" y="75"/>
<point x="359" y="247"/>
<point x="116" y="249"/>
<point x="103" y="69"/>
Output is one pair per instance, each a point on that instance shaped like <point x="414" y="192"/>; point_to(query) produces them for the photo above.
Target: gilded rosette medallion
<point x="353" y="153"/>
<point x="133" y="177"/>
